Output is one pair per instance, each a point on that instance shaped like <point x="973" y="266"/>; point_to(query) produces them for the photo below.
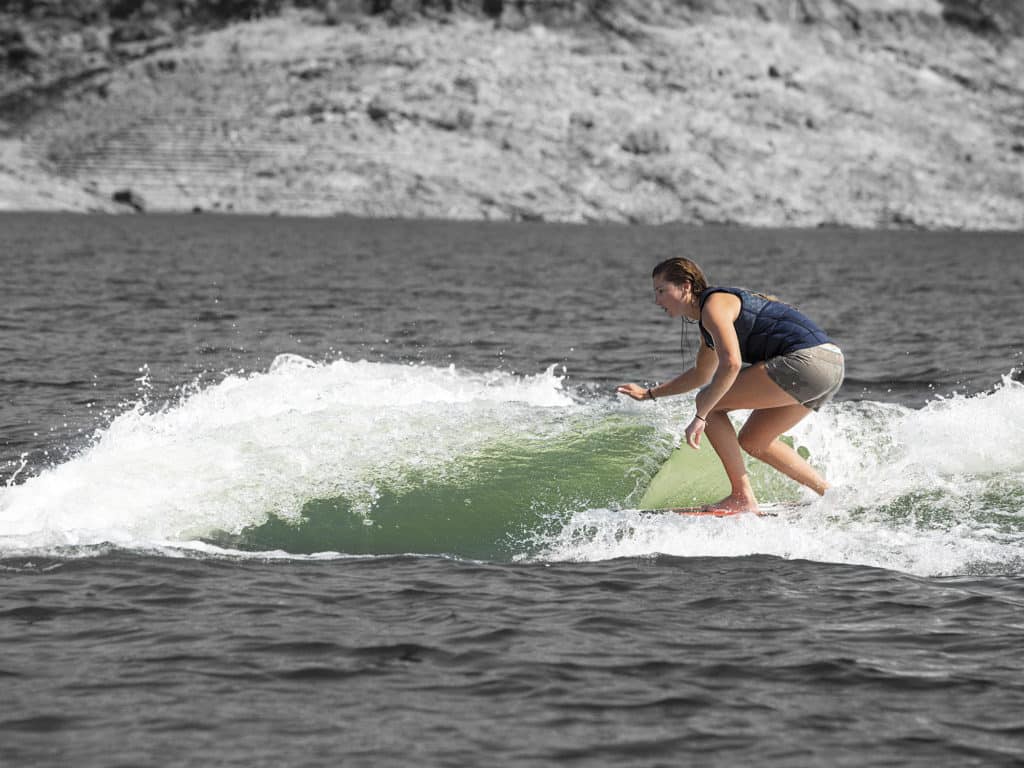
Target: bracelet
<point x="650" y="394"/>
<point x="697" y="416"/>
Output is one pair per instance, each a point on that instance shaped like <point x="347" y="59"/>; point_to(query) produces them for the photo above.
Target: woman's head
<point x="680" y="271"/>
<point x="678" y="283"/>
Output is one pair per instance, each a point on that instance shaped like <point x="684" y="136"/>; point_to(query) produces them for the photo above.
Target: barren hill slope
<point x="784" y="112"/>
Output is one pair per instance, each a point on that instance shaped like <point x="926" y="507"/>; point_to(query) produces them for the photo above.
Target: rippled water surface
<point x="320" y="492"/>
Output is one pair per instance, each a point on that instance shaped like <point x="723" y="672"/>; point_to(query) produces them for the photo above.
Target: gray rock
<point x="646" y="140"/>
<point x="380" y="109"/>
<point x="131" y="198"/>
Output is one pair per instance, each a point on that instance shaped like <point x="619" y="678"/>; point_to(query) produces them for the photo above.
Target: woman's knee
<point x="754" y="444"/>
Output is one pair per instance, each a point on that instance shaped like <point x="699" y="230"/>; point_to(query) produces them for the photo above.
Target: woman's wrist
<point x="650" y="394"/>
<point x="698" y="416"/>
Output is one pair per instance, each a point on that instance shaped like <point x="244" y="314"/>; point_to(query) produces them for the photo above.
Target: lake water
<point x="320" y="492"/>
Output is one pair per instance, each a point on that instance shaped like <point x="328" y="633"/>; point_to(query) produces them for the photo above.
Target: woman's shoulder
<point x="721" y="304"/>
<point x="754" y="300"/>
<point x="722" y="291"/>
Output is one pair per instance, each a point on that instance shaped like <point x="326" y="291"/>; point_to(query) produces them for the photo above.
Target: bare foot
<point x="734" y="503"/>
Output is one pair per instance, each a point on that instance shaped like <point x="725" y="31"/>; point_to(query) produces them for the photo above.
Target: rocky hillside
<point x="868" y="113"/>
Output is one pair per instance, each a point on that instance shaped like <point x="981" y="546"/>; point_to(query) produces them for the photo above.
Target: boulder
<point x="646" y="140"/>
<point x="130" y="197"/>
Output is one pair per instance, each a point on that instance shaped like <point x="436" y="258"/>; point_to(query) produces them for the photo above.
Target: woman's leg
<point x="759" y="438"/>
<point x="775" y="411"/>
<point x="722" y="436"/>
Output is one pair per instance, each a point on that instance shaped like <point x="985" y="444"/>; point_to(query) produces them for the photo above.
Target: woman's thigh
<point x="754" y="389"/>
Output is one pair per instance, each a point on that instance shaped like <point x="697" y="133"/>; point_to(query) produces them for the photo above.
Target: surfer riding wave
<point x="756" y="353"/>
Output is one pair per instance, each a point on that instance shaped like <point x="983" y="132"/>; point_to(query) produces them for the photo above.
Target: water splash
<point x="254" y="446"/>
<point x="377" y="458"/>
<point x="934" y="491"/>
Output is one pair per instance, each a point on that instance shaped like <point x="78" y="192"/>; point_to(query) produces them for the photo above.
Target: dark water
<point x="127" y="660"/>
<point x="346" y="492"/>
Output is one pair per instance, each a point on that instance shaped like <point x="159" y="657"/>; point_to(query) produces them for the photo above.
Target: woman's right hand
<point x="633" y="390"/>
<point x="694" y="430"/>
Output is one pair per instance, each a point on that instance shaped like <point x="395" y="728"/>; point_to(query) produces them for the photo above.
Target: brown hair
<point x="679" y="271"/>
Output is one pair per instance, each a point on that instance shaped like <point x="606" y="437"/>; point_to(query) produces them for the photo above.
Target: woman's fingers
<point x="693" y="433"/>
<point x="633" y="390"/>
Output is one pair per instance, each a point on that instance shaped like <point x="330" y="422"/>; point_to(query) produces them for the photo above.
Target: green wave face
<point x="509" y="498"/>
<point x="500" y="502"/>
<point x="381" y="459"/>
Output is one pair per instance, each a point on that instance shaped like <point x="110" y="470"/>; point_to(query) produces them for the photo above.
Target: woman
<point x="792" y="368"/>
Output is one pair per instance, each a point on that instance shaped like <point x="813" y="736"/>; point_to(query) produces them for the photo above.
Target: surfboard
<point x="690" y="479"/>
<point x="696" y="512"/>
<point x="773" y="509"/>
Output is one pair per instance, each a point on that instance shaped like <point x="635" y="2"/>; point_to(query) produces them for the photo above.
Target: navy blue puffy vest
<point x="767" y="328"/>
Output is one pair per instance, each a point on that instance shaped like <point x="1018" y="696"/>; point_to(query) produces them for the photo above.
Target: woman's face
<point x="671" y="297"/>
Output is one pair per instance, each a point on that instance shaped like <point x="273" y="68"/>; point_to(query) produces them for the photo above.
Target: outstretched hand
<point x="633" y="390"/>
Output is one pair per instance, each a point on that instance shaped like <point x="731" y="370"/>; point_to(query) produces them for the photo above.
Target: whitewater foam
<point x="263" y="444"/>
<point x="913" y="491"/>
<point x="936" y="490"/>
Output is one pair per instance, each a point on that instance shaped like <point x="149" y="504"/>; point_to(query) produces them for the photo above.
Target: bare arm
<point x="690" y="379"/>
<point x="719" y="315"/>
<point x="720" y="312"/>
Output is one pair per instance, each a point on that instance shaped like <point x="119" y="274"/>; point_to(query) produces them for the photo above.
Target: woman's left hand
<point x="694" y="432"/>
<point x="633" y="390"/>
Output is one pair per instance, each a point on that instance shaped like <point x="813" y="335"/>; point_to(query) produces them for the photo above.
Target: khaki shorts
<point x="812" y="376"/>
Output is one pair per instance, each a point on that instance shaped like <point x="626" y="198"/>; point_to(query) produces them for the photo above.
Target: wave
<point x="369" y="458"/>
